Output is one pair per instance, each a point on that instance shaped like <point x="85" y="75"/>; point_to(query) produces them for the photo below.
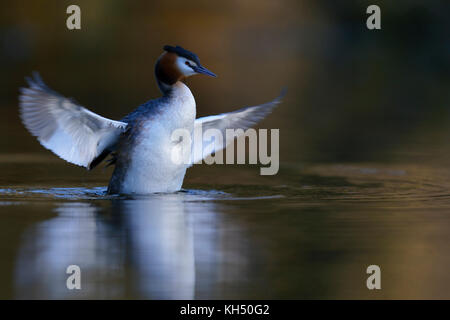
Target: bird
<point x="139" y="145"/>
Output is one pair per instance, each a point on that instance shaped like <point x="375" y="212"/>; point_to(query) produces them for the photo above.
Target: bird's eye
<point x="187" y="63"/>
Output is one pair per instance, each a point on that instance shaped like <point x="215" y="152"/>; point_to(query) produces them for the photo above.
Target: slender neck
<point x="166" y="72"/>
<point x="165" y="88"/>
<point x="177" y="90"/>
<point x="181" y="105"/>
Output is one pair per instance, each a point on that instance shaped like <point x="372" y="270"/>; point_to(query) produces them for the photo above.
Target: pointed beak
<point x="203" y="70"/>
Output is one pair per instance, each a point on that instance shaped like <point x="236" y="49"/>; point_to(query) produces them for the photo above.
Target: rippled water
<point x="309" y="232"/>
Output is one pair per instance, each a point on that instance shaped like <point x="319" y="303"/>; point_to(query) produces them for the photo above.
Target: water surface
<point x="309" y="232"/>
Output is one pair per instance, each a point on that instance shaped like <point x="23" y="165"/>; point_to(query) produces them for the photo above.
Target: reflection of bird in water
<point x="141" y="143"/>
<point x="145" y="248"/>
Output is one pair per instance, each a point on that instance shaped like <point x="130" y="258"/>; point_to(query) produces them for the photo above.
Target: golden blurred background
<point x="353" y="94"/>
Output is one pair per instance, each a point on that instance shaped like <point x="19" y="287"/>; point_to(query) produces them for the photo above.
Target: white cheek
<point x="185" y="70"/>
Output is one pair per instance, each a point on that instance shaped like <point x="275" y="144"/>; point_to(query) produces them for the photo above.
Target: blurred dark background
<point x="353" y="94"/>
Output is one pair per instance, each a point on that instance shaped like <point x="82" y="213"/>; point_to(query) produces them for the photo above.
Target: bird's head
<point x="177" y="63"/>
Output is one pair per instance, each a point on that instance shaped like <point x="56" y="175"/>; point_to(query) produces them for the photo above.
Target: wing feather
<point x="240" y="119"/>
<point x="71" y="131"/>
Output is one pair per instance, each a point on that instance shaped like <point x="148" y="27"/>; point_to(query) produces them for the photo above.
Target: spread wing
<point x="240" y="119"/>
<point x="71" y="131"/>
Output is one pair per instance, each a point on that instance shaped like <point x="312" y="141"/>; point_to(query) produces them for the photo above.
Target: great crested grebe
<point x="141" y="142"/>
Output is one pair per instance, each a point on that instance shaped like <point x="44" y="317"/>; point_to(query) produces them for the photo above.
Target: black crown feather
<point x="183" y="53"/>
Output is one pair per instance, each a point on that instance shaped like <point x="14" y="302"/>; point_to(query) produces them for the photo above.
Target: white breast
<point x="151" y="168"/>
